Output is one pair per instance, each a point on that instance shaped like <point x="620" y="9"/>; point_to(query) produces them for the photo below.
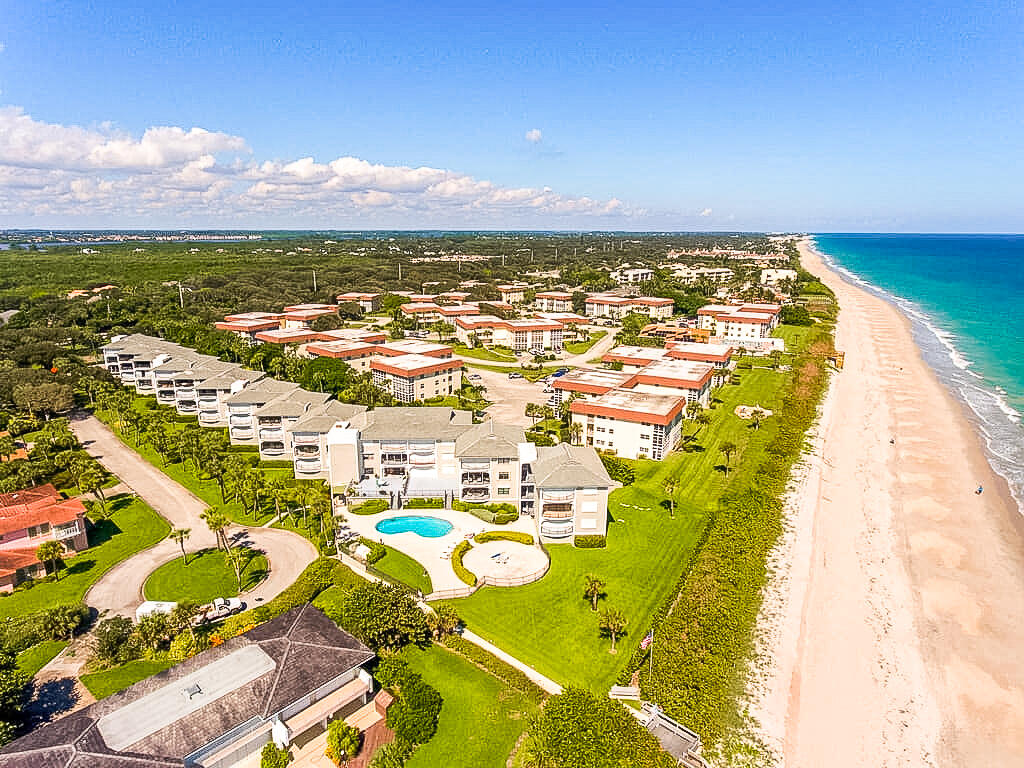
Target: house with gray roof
<point x="572" y="487"/>
<point x="281" y="681"/>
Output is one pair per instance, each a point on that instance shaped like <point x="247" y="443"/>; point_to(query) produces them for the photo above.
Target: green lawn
<point x="206" y="576"/>
<point x="483" y="353"/>
<point x="131" y="527"/>
<point x="405" y="569"/>
<point x="481" y="718"/>
<point x="579" y="347"/>
<point x="31" y="660"/>
<point x="205" y="488"/>
<point x="550" y="626"/>
<point x="102" y="684"/>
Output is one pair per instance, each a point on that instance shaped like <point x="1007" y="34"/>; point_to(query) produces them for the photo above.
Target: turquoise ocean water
<point x="964" y="295"/>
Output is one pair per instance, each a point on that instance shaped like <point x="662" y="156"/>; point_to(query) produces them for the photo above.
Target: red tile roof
<point x="13" y="559"/>
<point x="33" y="506"/>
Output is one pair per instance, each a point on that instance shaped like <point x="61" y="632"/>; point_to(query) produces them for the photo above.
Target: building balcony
<point x="476" y="478"/>
<point x="186" y="406"/>
<point x="300" y="439"/>
<point x="165" y="395"/>
<point x="272" y="449"/>
<point x="241" y="433"/>
<point x="66" y="531"/>
<point x="556" y="514"/>
<point x="556" y="530"/>
<point x="209" y="417"/>
<point x="394" y="458"/>
<point x="476" y="494"/>
<point x="143" y="385"/>
<point x="557" y="496"/>
<point x="236" y="420"/>
<point x="271" y="434"/>
<point x="270" y="421"/>
<point x="421" y="459"/>
<point x="478" y="466"/>
<point x="307" y="466"/>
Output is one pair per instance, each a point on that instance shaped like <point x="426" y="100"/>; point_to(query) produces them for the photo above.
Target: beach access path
<point x="902" y="636"/>
<point x="119" y="591"/>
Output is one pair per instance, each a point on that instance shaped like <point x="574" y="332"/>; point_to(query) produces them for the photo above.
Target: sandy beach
<point x="895" y="626"/>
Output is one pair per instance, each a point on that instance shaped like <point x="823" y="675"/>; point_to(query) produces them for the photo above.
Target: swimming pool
<point x="428" y="527"/>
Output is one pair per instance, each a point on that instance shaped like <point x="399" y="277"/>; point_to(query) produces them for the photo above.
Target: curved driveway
<point x="119" y="590"/>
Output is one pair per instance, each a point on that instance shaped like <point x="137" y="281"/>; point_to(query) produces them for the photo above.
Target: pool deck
<point x="428" y="551"/>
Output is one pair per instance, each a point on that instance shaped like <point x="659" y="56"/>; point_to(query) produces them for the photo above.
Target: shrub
<point x="242" y="448"/>
<point x="413" y="715"/>
<point x="461" y="571"/>
<point x="343" y="742"/>
<point x="114" y="638"/>
<point x="274" y="757"/>
<point x="418" y="503"/>
<point x="538" y="438"/>
<point x="795" y="314"/>
<point x="590" y="542"/>
<point x="496" y="514"/>
<point x="371" y="507"/>
<point x="184" y="646"/>
<point x="382" y="616"/>
<point x="392" y="755"/>
<point x="618" y="469"/>
<point x="275" y="464"/>
<point x="522" y="538"/>
<point x="316" y="577"/>
<point x="377" y="551"/>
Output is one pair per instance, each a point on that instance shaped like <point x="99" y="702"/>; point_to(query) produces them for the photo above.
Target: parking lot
<point x="509" y="396"/>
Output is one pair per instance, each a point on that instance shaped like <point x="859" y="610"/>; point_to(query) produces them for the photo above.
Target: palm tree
<point x="612" y="623"/>
<point x="180" y="535"/>
<point x="235" y="559"/>
<point x="531" y="411"/>
<point x="218" y="523"/>
<point x="51" y="552"/>
<point x="670" y="485"/>
<point x="576" y="433"/>
<point x="756" y="416"/>
<point x="91" y="481"/>
<point x="728" y="449"/>
<point x="593" y="589"/>
<point x="7" y="446"/>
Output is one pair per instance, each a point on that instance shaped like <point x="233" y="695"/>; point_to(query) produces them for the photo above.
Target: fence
<point x="490" y="581"/>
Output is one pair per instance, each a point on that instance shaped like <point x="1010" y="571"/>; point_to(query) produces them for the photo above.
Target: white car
<point x="221" y="608"/>
<point x="474" y="377"/>
<point x="150" y="607"/>
<point x="549" y="390"/>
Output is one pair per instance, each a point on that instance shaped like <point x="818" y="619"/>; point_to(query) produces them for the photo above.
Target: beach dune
<point x="899" y="622"/>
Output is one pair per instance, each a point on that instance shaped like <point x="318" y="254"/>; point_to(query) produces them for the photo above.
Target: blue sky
<point x="824" y="118"/>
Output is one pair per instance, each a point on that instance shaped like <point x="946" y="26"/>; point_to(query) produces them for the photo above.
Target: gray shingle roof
<point x="424" y="423"/>
<point x="225" y="379"/>
<point x="308" y="651"/>
<point x="262" y="391"/>
<point x="293" y="404"/>
<point x="326" y="416"/>
<point x="570" y="466"/>
<point x="490" y="439"/>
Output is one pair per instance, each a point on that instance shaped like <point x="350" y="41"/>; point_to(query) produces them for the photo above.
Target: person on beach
<point x="979" y="491"/>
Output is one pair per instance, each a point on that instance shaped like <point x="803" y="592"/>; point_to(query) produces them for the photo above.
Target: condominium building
<point x="572" y="487"/>
<point x="688" y="275"/>
<point x="776" y="276"/>
<point x="588" y="383"/>
<point x="301" y="315"/>
<point x="308" y="437"/>
<point x="414" y="347"/>
<point x="553" y="301"/>
<point x="27" y="519"/>
<point x="717" y="355"/>
<point x="280" y="682"/>
<point x="417" y="377"/>
<point x="368" y="302"/>
<point x="358" y="354"/>
<point x="212" y="394"/>
<point x="739" y="321"/>
<point x="518" y="335"/>
<point x="248" y="324"/>
<point x="617" y="307"/>
<point x="354" y="334"/>
<point x="453" y="297"/>
<point x="631" y="424"/>
<point x="275" y="418"/>
<point x="242" y="407"/>
<point x="288" y="336"/>
<point x="422" y="312"/>
<point x="512" y="294"/>
<point x="627" y="275"/>
<point x="688" y="378"/>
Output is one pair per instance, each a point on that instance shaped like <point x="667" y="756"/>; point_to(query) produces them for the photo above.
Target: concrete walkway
<point x="119" y="591"/>
<point x="546" y="683"/>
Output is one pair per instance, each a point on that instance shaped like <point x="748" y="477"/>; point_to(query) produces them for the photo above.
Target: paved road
<point x="120" y="589"/>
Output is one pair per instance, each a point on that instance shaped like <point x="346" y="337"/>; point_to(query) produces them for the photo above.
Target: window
<point x="504" y="461"/>
<point x="504" y="475"/>
<point x="38" y="530"/>
<point x="504" y="491"/>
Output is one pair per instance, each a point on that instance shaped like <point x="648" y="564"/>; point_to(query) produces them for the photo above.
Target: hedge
<point x="522" y="538"/>
<point x="590" y="542"/>
<point x="508" y="674"/>
<point x="461" y="571"/>
<point x="418" y="503"/>
<point x="21" y="632"/>
<point x="377" y="550"/>
<point x="703" y="642"/>
<point x="371" y="507"/>
<point x="538" y="438"/>
<point x="496" y="514"/>
<point x="276" y="464"/>
<point x="618" y="469"/>
<point x="317" y="576"/>
<point x="241" y="448"/>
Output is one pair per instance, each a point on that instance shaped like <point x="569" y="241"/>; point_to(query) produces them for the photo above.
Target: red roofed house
<point x="27" y="519"/>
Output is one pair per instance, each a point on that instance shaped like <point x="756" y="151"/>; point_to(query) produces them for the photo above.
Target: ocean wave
<point x="998" y="422"/>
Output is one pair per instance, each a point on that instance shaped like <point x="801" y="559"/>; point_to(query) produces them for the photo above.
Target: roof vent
<point x="193" y="691"/>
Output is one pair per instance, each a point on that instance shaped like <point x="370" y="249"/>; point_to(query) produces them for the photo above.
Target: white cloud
<point x="534" y="136"/>
<point x="3" y="47"/>
<point x="57" y="174"/>
<point x="706" y="212"/>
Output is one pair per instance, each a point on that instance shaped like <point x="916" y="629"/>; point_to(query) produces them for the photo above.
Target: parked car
<point x="548" y="390"/>
<point x="221" y="608"/>
<point x="536" y="352"/>
<point x="474" y="377"/>
<point x="559" y="373"/>
<point x="515" y="375"/>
